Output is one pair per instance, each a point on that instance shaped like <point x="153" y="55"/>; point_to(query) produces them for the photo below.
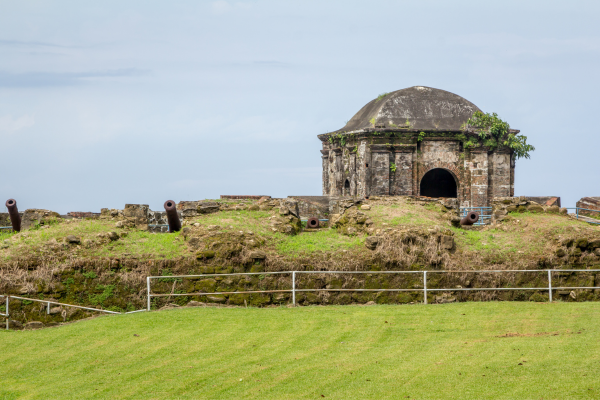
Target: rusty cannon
<point x="172" y="216"/>
<point x="13" y="212"/>
<point x="470" y="218"/>
<point x="312" y="223"/>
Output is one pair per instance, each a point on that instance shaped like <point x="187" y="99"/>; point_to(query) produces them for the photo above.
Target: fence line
<point x="293" y="290"/>
<point x="583" y="215"/>
<point x="48" y="302"/>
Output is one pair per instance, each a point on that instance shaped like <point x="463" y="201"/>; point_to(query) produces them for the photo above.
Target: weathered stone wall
<point x="376" y="165"/>
<point x="501" y="206"/>
<point x="363" y="157"/>
<point x="242" y="197"/>
<point x="590" y="203"/>
<point x="157" y="221"/>
<point x="5" y="219"/>
<point x="312" y="206"/>
<point x="545" y="200"/>
<point x="403" y="176"/>
<point x="479" y="179"/>
<point x="500" y="173"/>
<point x="119" y="292"/>
<point x="380" y="170"/>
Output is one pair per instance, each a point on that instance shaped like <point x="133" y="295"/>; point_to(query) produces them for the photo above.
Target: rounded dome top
<point x="424" y="107"/>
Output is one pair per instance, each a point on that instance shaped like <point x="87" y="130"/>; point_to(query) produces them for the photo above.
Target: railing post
<point x="294" y="288"/>
<point x="48" y="308"/>
<point x="424" y="287"/>
<point x="7" y="313"/>
<point x="577" y="212"/>
<point x="550" y="286"/>
<point x="148" y="290"/>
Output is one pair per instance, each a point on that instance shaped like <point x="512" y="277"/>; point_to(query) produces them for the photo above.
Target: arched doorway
<point x="438" y="182"/>
<point x="346" y="191"/>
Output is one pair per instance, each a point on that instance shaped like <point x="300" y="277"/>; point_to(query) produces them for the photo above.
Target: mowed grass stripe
<point x="435" y="351"/>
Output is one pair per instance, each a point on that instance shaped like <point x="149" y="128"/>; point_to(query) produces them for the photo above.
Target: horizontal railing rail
<point x="577" y="209"/>
<point x="49" y="302"/>
<point x="293" y="290"/>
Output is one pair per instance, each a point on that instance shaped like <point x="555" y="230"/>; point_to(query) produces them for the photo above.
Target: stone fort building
<point x="411" y="142"/>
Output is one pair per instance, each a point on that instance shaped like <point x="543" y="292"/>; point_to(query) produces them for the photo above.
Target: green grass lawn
<point x="453" y="351"/>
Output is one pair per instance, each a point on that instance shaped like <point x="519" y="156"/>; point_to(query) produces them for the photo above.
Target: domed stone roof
<point x="424" y="107"/>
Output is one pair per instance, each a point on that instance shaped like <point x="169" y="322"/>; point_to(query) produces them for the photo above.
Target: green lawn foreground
<point x="454" y="351"/>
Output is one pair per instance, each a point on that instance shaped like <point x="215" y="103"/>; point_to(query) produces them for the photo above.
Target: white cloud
<point x="10" y="125"/>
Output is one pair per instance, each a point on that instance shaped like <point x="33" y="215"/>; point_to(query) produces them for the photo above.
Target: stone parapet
<point x="501" y="206"/>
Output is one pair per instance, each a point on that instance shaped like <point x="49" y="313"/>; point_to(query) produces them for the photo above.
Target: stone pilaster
<point x="479" y="178"/>
<point x="325" y="163"/>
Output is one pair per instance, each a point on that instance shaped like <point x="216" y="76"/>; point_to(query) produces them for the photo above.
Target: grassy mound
<point x="103" y="263"/>
<point x="467" y="351"/>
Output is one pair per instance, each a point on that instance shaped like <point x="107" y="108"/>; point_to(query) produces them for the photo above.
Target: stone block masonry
<point x="589" y="203"/>
<point x="545" y="200"/>
<point x="243" y="197"/>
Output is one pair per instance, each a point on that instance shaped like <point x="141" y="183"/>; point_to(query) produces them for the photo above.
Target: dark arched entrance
<point x="438" y="183"/>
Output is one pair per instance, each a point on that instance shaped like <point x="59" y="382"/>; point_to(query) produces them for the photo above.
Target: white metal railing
<point x="577" y="209"/>
<point x="48" y="302"/>
<point x="293" y="290"/>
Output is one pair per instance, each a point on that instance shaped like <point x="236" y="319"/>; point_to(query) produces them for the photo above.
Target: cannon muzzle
<point x="470" y="218"/>
<point x="172" y="216"/>
<point x="13" y="212"/>
<point x="312" y="223"/>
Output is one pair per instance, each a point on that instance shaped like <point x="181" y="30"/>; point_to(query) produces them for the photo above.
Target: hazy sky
<point x="112" y="102"/>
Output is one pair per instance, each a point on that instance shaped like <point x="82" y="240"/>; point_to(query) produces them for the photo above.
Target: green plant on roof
<point x="372" y="121"/>
<point x="381" y="96"/>
<point x="493" y="131"/>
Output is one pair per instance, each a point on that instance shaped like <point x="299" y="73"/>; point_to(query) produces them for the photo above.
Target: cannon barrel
<point x="312" y="223"/>
<point x="470" y="218"/>
<point x="172" y="217"/>
<point x="13" y="212"/>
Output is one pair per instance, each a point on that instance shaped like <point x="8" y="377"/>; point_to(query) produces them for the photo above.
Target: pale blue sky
<point x="114" y="102"/>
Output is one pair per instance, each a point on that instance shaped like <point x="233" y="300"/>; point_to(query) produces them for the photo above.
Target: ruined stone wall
<point x="376" y="165"/>
<point x="5" y="219"/>
<point x="312" y="206"/>
<point x="545" y="200"/>
<point x="590" y="203"/>
<point x="242" y="197"/>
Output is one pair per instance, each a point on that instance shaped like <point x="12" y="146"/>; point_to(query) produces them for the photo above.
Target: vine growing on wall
<point x="340" y="138"/>
<point x="492" y="132"/>
<point x="393" y="167"/>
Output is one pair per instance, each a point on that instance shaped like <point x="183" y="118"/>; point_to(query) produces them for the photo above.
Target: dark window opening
<point x="438" y="183"/>
<point x="367" y="165"/>
<point x="347" y="184"/>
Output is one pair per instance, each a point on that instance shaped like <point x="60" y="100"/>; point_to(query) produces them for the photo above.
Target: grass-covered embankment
<point x="466" y="351"/>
